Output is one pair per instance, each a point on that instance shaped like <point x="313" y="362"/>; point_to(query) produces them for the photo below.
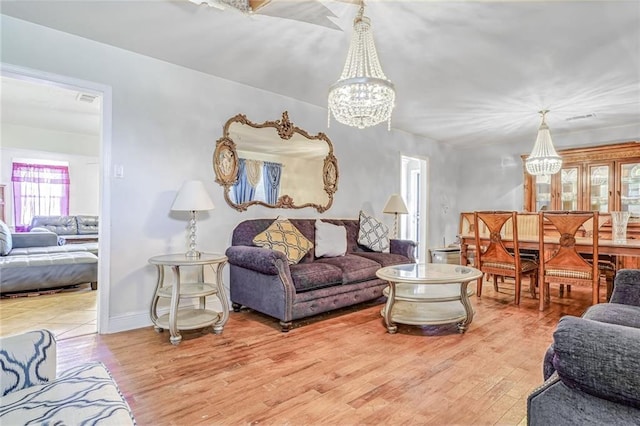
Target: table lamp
<point x="192" y="197"/>
<point x="395" y="204"/>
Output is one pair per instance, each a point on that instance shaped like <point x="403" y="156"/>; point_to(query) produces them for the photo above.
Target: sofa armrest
<point x="34" y="239"/>
<point x="404" y="247"/>
<point x="547" y="363"/>
<point x="27" y="359"/>
<point x="599" y="359"/>
<point x="626" y="289"/>
<point x="256" y="258"/>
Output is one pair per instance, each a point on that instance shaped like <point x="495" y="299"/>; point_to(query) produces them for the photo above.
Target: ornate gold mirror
<point x="275" y="164"/>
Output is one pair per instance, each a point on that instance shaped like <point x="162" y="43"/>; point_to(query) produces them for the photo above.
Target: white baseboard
<point x="128" y="322"/>
<point x="134" y="320"/>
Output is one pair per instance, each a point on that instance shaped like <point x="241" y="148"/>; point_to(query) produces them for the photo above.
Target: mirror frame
<point x="225" y="163"/>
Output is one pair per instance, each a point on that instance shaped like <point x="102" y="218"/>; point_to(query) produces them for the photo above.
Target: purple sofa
<point x="263" y="280"/>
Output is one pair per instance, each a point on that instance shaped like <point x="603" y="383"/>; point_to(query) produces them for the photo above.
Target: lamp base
<point x="192" y="254"/>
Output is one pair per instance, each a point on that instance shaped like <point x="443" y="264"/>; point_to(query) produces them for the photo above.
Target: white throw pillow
<point x="331" y="240"/>
<point x="373" y="234"/>
<point x="6" y="242"/>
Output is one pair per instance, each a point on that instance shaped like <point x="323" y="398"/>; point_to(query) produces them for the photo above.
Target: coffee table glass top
<point x="428" y="273"/>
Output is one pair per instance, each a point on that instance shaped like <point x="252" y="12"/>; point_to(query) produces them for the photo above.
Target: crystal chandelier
<point x="544" y="160"/>
<point x="363" y="96"/>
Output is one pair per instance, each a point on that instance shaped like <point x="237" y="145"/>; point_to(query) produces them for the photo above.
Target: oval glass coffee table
<point x="428" y="294"/>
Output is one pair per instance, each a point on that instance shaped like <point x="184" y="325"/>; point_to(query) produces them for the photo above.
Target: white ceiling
<point x="26" y="103"/>
<point x="466" y="72"/>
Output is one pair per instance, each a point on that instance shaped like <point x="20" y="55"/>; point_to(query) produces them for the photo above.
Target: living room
<point x="160" y="125"/>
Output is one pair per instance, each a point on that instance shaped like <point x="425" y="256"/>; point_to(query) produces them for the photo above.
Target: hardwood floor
<point x="67" y="313"/>
<point x="341" y="368"/>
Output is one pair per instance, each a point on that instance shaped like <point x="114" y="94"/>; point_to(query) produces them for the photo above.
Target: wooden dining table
<point x="630" y="248"/>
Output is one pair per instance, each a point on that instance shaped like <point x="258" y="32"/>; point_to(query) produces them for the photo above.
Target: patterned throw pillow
<point x="6" y="242"/>
<point x="373" y="234"/>
<point x="282" y="236"/>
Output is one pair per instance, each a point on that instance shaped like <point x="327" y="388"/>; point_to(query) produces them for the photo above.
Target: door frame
<point x="104" y="236"/>
<point x="423" y="210"/>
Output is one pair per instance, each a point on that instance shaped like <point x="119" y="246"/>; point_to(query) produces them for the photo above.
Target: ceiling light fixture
<point x="544" y="160"/>
<point x="363" y="96"/>
<point x="241" y="5"/>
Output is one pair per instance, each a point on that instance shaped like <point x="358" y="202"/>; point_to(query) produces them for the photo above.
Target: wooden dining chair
<point x="560" y="262"/>
<point x="607" y="264"/>
<point x="495" y="259"/>
<point x="466" y="228"/>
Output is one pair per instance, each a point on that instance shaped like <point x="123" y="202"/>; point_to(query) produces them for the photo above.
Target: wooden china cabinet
<point x="604" y="178"/>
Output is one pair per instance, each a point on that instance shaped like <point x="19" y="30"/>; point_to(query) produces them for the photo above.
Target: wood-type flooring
<point x="341" y="368"/>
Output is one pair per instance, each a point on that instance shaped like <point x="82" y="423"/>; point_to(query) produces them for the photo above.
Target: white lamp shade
<point x="192" y="196"/>
<point x="395" y="204"/>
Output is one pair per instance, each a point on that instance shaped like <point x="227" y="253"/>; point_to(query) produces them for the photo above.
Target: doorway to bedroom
<point x="45" y="123"/>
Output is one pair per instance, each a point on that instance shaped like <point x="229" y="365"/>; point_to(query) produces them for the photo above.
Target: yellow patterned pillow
<point x="282" y="236"/>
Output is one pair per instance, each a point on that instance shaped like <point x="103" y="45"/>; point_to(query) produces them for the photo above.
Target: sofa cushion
<point x="42" y="271"/>
<point x="384" y="259"/>
<point x="87" y="224"/>
<point x="5" y="239"/>
<point x="614" y="313"/>
<point x="61" y="225"/>
<point x="331" y="240"/>
<point x="282" y="236"/>
<point x="86" y="394"/>
<point x="314" y="275"/>
<point x="70" y="248"/>
<point x="373" y="234"/>
<point x="27" y="359"/>
<point x="598" y="358"/>
<point x="354" y="268"/>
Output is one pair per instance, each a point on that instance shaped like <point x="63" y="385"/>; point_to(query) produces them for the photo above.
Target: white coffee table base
<point x="443" y="305"/>
<point x="428" y="294"/>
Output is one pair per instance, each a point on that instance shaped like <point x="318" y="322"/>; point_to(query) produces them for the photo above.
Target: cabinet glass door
<point x="599" y="188"/>
<point x="543" y="192"/>
<point x="569" y="188"/>
<point x="630" y="188"/>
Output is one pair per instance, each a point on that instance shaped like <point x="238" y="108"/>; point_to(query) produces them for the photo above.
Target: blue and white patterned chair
<point x="32" y="394"/>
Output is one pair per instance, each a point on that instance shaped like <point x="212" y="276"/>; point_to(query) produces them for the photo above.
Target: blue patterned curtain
<point x="243" y="191"/>
<point x="272" y="173"/>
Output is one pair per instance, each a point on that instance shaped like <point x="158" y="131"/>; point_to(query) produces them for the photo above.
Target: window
<point x="39" y="189"/>
<point x="257" y="180"/>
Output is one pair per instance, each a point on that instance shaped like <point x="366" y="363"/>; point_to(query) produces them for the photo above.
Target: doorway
<point x="46" y="98"/>
<point x="414" y="190"/>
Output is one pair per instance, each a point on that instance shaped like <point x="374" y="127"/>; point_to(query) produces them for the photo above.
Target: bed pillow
<point x="6" y="242"/>
<point x="331" y="240"/>
<point x="373" y="234"/>
<point x="284" y="237"/>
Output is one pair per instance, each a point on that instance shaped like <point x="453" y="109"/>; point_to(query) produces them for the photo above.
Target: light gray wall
<point x="491" y="178"/>
<point x="166" y="120"/>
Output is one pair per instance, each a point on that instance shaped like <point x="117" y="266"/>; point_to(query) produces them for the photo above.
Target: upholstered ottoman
<point x="35" y="271"/>
<point x="32" y="394"/>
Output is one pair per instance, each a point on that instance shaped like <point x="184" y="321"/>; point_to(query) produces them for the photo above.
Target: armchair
<point x="33" y="394"/>
<point x="592" y="370"/>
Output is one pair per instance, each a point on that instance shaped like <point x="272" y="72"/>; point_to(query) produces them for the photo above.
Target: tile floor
<point x="67" y="313"/>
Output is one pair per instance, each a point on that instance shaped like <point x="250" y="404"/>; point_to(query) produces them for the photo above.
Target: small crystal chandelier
<point x="544" y="160"/>
<point x="363" y="96"/>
